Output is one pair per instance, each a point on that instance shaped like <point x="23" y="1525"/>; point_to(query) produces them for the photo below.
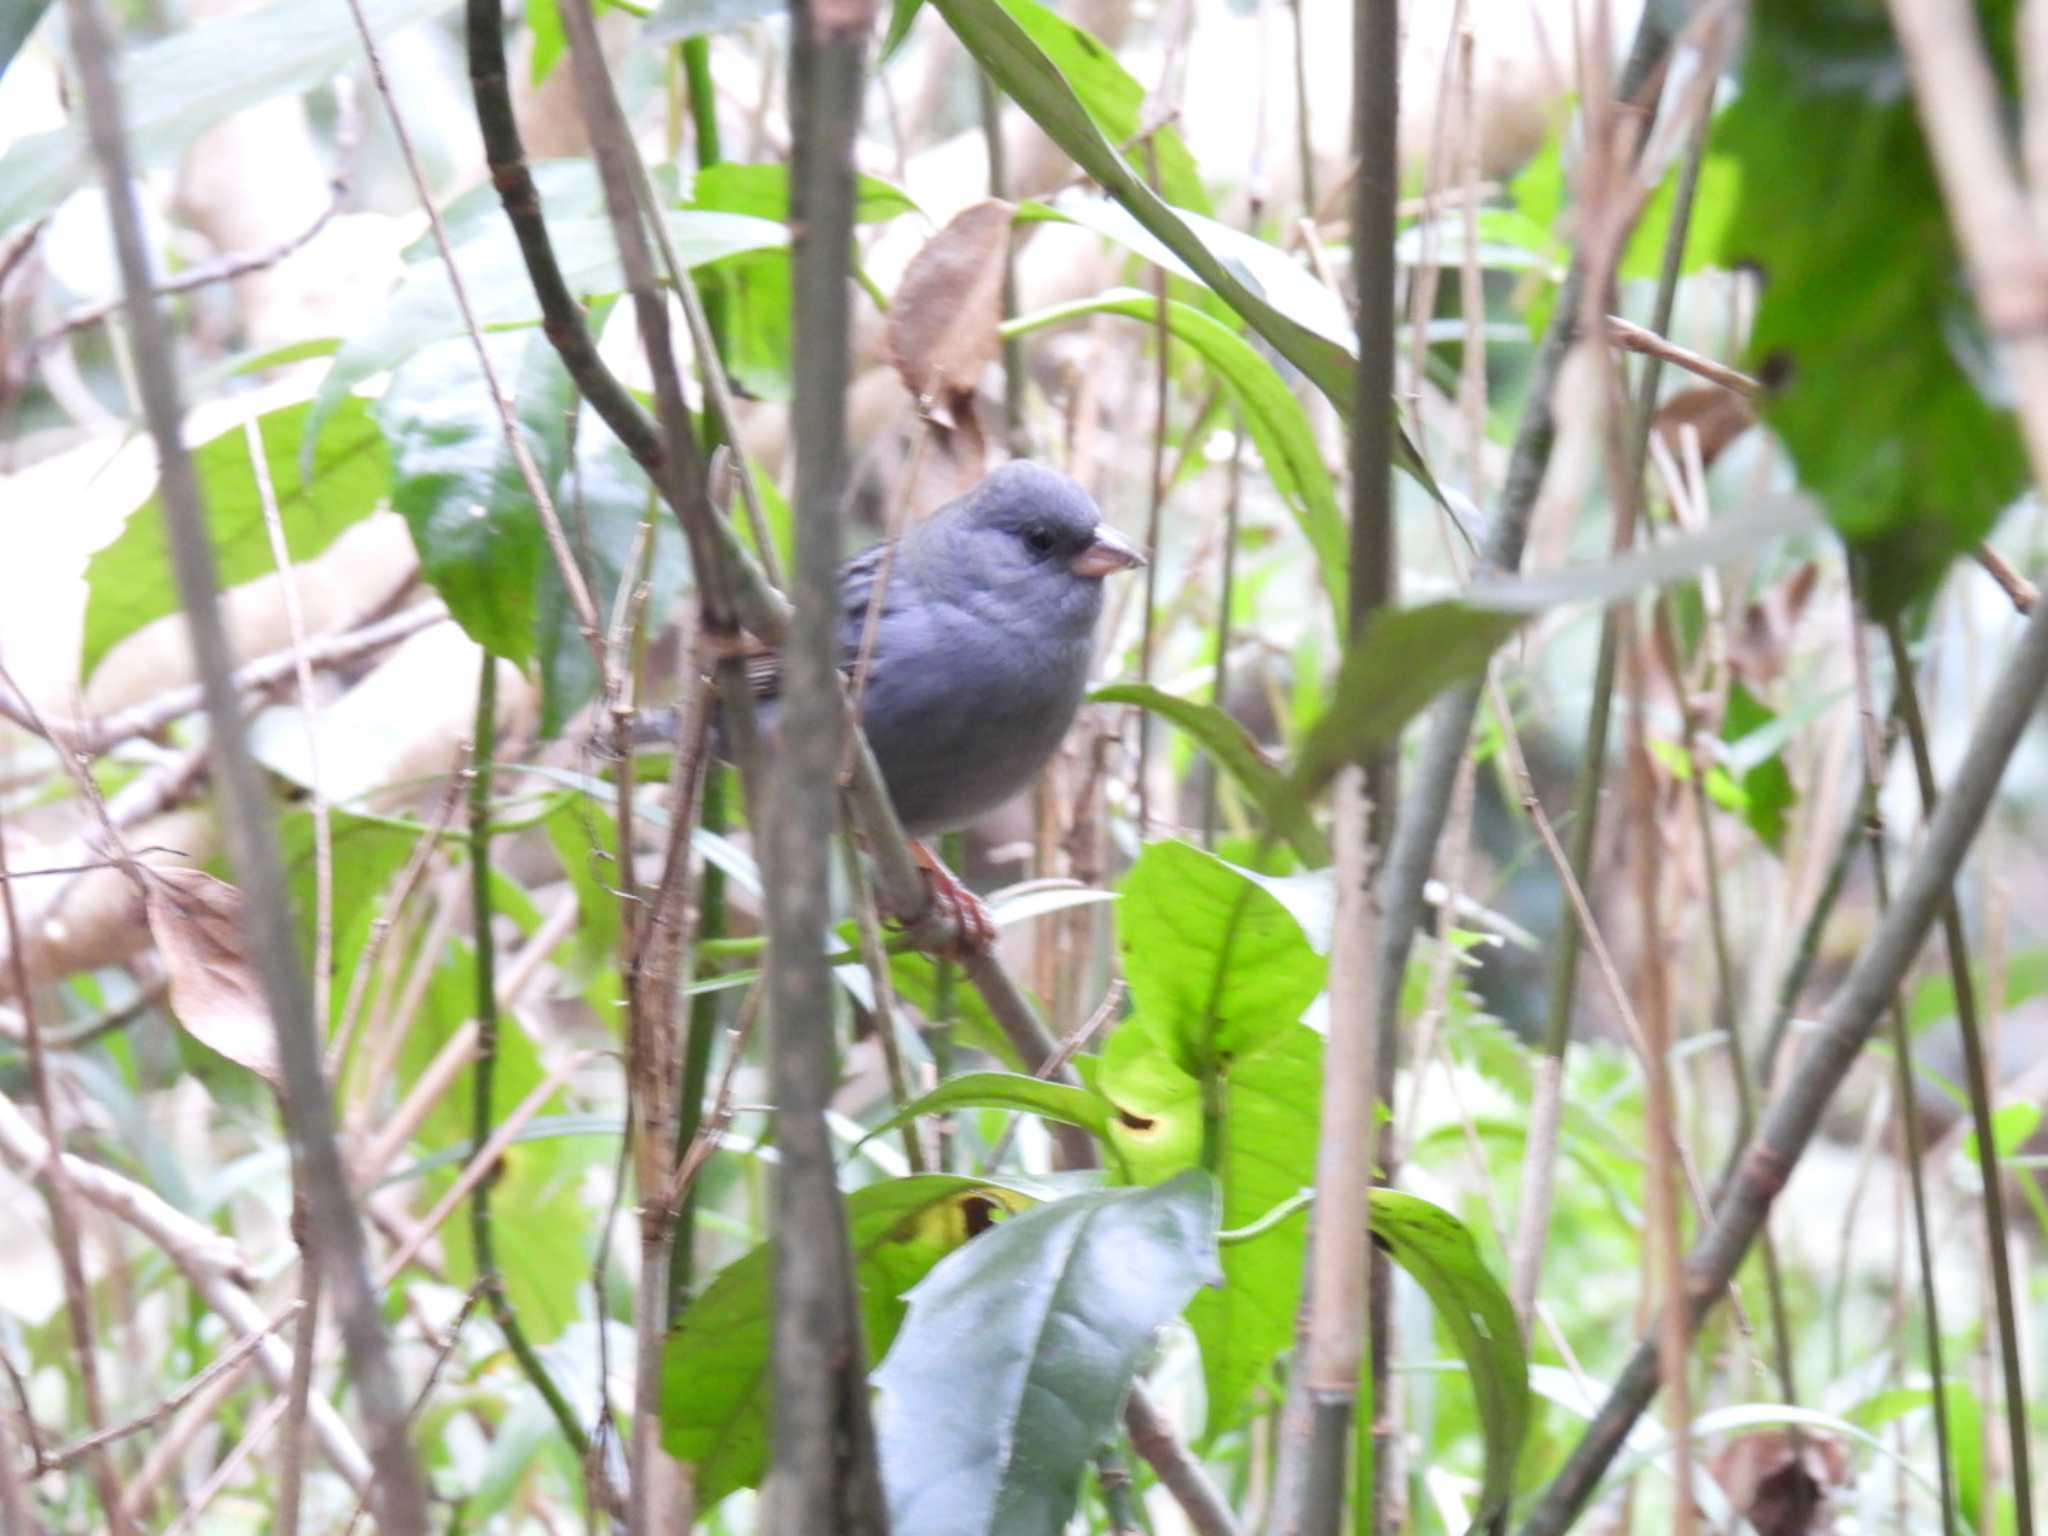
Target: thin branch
<point x="245" y="808"/>
<point x="1977" y="1081"/>
<point x="1844" y="1027"/>
<point x="57" y="1193"/>
<point x="93" y="737"/>
<point x="483" y="1073"/>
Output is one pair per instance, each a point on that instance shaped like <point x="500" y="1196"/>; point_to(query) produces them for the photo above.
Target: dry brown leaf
<point x="1781" y="1479"/>
<point x="942" y="331"/>
<point x="1760" y="641"/>
<point x="196" y="921"/>
<point x="1718" y="415"/>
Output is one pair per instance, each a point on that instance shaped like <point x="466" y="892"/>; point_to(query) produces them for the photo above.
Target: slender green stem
<point x="697" y="1047"/>
<point x="1978" y="1081"/>
<point x="483" y="1075"/>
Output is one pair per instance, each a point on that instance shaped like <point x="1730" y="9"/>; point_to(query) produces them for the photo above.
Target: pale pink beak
<point x="1111" y="552"/>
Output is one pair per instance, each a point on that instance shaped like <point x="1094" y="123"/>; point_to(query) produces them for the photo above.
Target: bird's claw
<point x="956" y="924"/>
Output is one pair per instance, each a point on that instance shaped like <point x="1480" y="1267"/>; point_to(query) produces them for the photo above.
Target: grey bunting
<point x="980" y="654"/>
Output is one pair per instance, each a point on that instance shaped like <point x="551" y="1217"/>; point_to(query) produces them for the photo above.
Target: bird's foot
<point x="956" y="924"/>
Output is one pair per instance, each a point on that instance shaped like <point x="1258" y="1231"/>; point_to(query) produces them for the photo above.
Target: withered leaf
<point x="1781" y="1480"/>
<point x="942" y="331"/>
<point x="196" y="921"/>
<point x="1718" y="415"/>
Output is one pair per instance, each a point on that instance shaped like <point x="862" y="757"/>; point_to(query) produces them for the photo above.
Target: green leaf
<point x="544" y="21"/>
<point x="1237" y="754"/>
<point x="473" y="522"/>
<point x="1767" y="792"/>
<point x="423" y="310"/>
<point x="368" y="854"/>
<point x="1391" y="669"/>
<point x="1435" y="1248"/>
<point x="1019" y="1350"/>
<point x="602" y="499"/>
<point x="1279" y="427"/>
<point x="750" y="294"/>
<point x="16" y="23"/>
<point x="1114" y="100"/>
<point x="762" y="192"/>
<point x="1864" y="299"/>
<point x="902" y="15"/>
<point x="715" y="1382"/>
<point x="1268" y="1102"/>
<point x="1221" y="971"/>
<point x="173" y="91"/>
<point x="1004" y="1090"/>
<point x="128" y="583"/>
<point x="1215" y="961"/>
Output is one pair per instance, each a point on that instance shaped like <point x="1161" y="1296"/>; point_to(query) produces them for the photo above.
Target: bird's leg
<point x="956" y="924"/>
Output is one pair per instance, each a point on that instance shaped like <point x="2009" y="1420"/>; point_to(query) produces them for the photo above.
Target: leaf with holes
<point x="715" y="1382"/>
<point x="1019" y="1349"/>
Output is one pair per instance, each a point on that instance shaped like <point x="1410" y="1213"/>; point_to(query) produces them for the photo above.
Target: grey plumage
<point x="982" y="646"/>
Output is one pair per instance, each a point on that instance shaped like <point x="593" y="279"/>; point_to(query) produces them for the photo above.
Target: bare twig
<point x="1843" y="1028"/>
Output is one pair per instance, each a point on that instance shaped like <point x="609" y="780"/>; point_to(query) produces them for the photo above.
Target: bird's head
<point x="1030" y="528"/>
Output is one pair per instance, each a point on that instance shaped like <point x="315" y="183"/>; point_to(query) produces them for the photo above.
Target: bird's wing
<point x="857" y="579"/>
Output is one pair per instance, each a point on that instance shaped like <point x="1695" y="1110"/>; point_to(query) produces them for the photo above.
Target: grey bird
<point x="980" y="653"/>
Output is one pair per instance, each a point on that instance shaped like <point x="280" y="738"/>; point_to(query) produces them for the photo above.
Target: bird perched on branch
<point x="976" y="654"/>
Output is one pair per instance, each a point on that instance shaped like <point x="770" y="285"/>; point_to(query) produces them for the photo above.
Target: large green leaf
<point x="460" y="491"/>
<point x="129" y="583"/>
<point x="1279" y="427"/>
<point x="715" y="1380"/>
<point x="1435" y="1248"/>
<point x="1019" y="1350"/>
<point x="1891" y="407"/>
<point x="1236" y="754"/>
<point x="1263" y="1111"/>
<point x="1216" y="962"/>
<point x="174" y="90"/>
<point x="1221" y="971"/>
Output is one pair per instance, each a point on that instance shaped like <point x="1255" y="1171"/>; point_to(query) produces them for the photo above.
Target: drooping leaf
<point x="1019" y="65"/>
<point x="128" y="583"/>
<point x="1236" y="754"/>
<point x="1004" y="1090"/>
<point x="1865" y="303"/>
<point x="1435" y="1248"/>
<point x="174" y="90"/>
<point x="216" y="995"/>
<point x="1019" y="1348"/>
<point x="715" y="1370"/>
<point x="1112" y="98"/>
<point x="1279" y="427"/>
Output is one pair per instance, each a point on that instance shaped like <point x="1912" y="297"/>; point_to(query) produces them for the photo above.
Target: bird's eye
<point x="1038" y="539"/>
